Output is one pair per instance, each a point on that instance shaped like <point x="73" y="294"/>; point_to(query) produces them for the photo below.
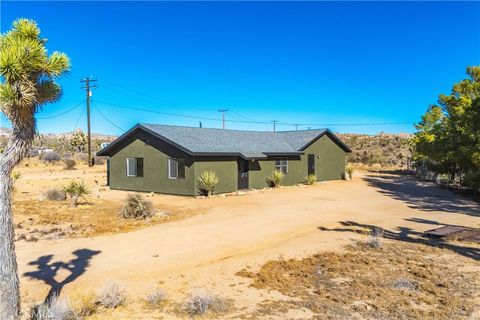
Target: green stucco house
<point x="169" y="159"/>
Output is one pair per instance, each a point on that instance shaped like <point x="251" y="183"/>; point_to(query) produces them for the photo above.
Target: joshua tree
<point x="76" y="190"/>
<point x="27" y="83"/>
<point x="78" y="141"/>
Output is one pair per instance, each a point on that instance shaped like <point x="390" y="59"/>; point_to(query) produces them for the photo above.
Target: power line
<point x="176" y="114"/>
<point x="78" y="120"/>
<point x="223" y="116"/>
<point x="240" y="116"/>
<point x="88" y="92"/>
<point x="153" y="99"/>
<point x="253" y="122"/>
<point x="274" y="125"/>
<point x="61" y="114"/>
<point x="105" y="117"/>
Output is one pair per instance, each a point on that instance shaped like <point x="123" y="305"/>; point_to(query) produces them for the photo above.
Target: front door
<point x="242" y="174"/>
<point x="311" y="164"/>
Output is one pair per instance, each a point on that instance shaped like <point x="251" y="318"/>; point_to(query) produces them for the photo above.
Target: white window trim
<point x="279" y="167"/>
<point x="169" y="161"/>
<point x="128" y="167"/>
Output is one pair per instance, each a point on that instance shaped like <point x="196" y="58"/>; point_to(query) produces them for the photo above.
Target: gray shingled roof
<point x="248" y="144"/>
<point x="299" y="139"/>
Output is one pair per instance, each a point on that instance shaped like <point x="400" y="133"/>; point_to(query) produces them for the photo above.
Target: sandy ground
<point x="203" y="252"/>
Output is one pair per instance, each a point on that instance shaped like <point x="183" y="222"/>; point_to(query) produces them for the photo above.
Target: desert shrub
<point x="69" y="164"/>
<point x="311" y="179"/>
<point x="112" y="295"/>
<point x="84" y="302"/>
<point x="374" y="239"/>
<point x="404" y="284"/>
<point x="76" y="189"/>
<point x="155" y="297"/>
<point x="207" y="182"/>
<point x="55" y="195"/>
<point x="275" y="179"/>
<point x="50" y="157"/>
<point x="100" y="160"/>
<point x="349" y="170"/>
<point x="136" y="207"/>
<point x="201" y="303"/>
<point x="54" y="309"/>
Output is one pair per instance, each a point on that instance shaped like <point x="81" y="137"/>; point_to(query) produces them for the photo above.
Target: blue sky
<point x="312" y="62"/>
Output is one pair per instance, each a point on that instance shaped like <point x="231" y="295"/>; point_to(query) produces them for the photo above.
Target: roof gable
<point x="246" y="144"/>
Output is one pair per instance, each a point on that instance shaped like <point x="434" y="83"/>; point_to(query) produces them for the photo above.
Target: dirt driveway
<point x="205" y="251"/>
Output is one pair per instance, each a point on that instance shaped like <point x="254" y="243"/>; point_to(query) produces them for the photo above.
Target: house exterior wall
<point x="329" y="165"/>
<point x="224" y="168"/>
<point x="155" y="167"/>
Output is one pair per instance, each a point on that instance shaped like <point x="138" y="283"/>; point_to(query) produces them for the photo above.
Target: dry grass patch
<point x="398" y="281"/>
<point x="155" y="297"/>
<point x="112" y="295"/>
<point x="201" y="303"/>
<point x="56" y="219"/>
<point x="84" y="302"/>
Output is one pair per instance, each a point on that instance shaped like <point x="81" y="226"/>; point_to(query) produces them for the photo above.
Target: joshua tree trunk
<point x="16" y="150"/>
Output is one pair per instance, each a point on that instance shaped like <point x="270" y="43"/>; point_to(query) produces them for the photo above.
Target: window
<point x="134" y="167"/>
<point x="281" y="165"/>
<point x="172" y="169"/>
<point x="131" y="167"/>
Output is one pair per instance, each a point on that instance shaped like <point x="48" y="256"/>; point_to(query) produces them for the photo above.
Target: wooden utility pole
<point x="223" y="116"/>
<point x="89" y="137"/>
<point x="274" y="125"/>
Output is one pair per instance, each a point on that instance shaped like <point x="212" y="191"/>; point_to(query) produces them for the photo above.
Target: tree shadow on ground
<point x="48" y="270"/>
<point x="405" y="234"/>
<point x="422" y="195"/>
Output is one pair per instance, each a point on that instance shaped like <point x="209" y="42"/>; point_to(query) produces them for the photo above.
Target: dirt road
<point x="205" y="251"/>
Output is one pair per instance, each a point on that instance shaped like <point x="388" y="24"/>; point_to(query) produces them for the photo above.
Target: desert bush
<point x="84" y="302"/>
<point x="54" y="309"/>
<point x="100" y="160"/>
<point x="137" y="207"/>
<point x="112" y="295"/>
<point x="201" y="303"/>
<point x="374" y="239"/>
<point x="76" y="189"/>
<point x="55" y="195"/>
<point x="311" y="179"/>
<point x="349" y="170"/>
<point x="275" y="179"/>
<point x="207" y="182"/>
<point x="155" y="297"/>
<point x="69" y="164"/>
<point x="50" y="157"/>
<point x="83" y="157"/>
<point x="404" y="284"/>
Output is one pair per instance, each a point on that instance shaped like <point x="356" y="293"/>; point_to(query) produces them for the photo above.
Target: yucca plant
<point x="349" y="170"/>
<point x="275" y="179"/>
<point x="207" y="182"/>
<point x="311" y="179"/>
<point x="137" y="207"/>
<point x="75" y="190"/>
<point x="27" y="82"/>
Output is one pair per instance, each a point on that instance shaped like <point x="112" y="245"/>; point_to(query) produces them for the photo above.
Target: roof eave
<point x="333" y="136"/>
